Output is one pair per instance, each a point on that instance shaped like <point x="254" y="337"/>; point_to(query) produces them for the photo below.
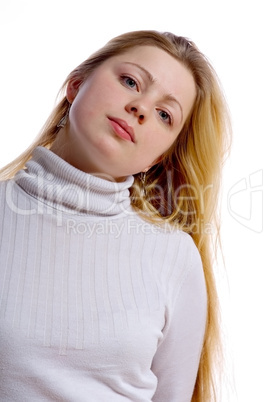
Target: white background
<point x="41" y="42"/>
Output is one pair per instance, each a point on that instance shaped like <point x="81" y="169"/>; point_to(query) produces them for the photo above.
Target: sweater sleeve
<point x="176" y="361"/>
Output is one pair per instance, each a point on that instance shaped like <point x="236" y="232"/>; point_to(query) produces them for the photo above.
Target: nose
<point x="137" y="110"/>
<point x="137" y="113"/>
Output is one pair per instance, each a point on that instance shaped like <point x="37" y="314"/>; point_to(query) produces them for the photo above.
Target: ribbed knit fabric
<point x="95" y="303"/>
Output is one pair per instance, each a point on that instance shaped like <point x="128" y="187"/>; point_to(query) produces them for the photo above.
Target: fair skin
<point x="126" y="114"/>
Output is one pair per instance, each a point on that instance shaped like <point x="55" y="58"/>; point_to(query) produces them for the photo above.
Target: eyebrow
<point x="167" y="97"/>
<point x="149" y="75"/>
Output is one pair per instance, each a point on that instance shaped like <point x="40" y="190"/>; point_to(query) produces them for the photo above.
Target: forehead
<point x="155" y="58"/>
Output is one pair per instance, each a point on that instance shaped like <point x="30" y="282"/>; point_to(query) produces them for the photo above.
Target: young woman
<point x="107" y="225"/>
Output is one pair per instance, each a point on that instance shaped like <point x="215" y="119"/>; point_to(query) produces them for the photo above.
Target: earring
<point x="142" y="179"/>
<point x="64" y="119"/>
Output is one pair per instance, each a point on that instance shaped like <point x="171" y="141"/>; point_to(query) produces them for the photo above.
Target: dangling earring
<point x="142" y="179"/>
<point x="64" y="119"/>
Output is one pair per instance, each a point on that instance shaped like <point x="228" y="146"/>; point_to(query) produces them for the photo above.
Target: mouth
<point x="122" y="129"/>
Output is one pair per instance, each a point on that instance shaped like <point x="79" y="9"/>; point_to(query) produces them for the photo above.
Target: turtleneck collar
<point x="58" y="184"/>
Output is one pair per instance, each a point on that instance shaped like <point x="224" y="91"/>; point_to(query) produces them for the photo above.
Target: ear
<point x="72" y="89"/>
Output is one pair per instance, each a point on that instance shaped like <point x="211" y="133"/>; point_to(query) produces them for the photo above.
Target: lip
<point x="122" y="129"/>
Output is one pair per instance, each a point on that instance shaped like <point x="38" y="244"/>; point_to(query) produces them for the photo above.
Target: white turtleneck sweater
<point x="95" y="303"/>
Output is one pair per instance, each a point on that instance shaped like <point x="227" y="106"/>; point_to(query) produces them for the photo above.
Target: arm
<point x="177" y="358"/>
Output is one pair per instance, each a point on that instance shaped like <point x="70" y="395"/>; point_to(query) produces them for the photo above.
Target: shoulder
<point x="168" y="236"/>
<point x="8" y="190"/>
<point x="3" y="184"/>
<point x="171" y="251"/>
<point x="3" y="189"/>
<point x="163" y="233"/>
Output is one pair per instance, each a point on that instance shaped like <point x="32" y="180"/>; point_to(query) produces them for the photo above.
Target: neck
<point x="53" y="181"/>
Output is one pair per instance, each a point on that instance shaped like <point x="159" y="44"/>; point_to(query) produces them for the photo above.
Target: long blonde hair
<point x="183" y="188"/>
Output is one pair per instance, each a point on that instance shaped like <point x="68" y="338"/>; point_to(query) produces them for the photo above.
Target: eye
<point x="165" y="116"/>
<point x="129" y="82"/>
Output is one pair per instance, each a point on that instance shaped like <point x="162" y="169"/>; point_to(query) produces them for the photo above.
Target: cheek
<point x="83" y="109"/>
<point x="160" y="140"/>
<point x="96" y="101"/>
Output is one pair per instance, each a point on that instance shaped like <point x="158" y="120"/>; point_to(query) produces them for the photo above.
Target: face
<point x="127" y="113"/>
